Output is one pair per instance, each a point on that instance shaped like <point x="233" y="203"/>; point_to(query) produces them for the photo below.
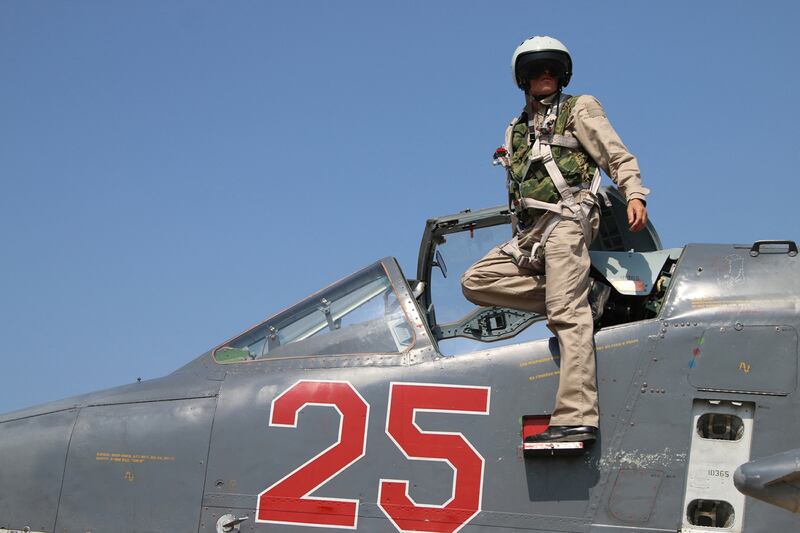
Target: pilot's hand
<point x="637" y="215"/>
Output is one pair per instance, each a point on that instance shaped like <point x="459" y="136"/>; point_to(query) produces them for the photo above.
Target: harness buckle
<point x="548" y="125"/>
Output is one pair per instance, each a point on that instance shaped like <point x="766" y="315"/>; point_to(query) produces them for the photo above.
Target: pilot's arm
<point x="593" y="130"/>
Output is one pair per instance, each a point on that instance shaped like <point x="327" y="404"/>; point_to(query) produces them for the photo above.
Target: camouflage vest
<point x="575" y="165"/>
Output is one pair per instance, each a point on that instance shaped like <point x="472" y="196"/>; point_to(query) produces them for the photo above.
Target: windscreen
<point x="359" y="314"/>
<point x="459" y="251"/>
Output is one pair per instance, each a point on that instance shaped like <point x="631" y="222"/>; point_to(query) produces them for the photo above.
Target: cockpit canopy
<point x="359" y="314"/>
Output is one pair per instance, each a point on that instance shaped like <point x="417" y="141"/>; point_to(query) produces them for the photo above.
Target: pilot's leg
<point x="569" y="316"/>
<point x="497" y="280"/>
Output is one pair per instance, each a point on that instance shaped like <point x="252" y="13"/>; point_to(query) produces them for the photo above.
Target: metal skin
<point x="432" y="443"/>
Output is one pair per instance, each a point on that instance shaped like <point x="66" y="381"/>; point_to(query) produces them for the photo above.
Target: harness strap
<point x="530" y="203"/>
<point x="512" y="248"/>
<point x="581" y="212"/>
<point x="561" y="140"/>
<point x="521" y="259"/>
<point x="547" y="223"/>
<point x="603" y="195"/>
<point x="548" y="229"/>
<point x="558" y="178"/>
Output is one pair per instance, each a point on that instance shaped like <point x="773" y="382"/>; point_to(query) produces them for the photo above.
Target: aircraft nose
<point x="33" y="451"/>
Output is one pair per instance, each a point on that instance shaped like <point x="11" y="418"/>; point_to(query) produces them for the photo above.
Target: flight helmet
<point x="532" y="53"/>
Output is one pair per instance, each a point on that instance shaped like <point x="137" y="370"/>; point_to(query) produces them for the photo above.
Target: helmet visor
<point x="531" y="65"/>
<point x="533" y="70"/>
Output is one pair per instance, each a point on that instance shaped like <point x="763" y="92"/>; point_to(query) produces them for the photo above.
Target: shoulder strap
<point x="566" y="106"/>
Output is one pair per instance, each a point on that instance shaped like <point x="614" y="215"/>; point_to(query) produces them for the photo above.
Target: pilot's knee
<point x="471" y="287"/>
<point x="472" y="296"/>
<point x="468" y="279"/>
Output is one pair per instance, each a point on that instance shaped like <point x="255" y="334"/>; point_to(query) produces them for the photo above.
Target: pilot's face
<point x="544" y="80"/>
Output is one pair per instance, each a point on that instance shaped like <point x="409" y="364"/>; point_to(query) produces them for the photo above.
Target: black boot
<point x="586" y="434"/>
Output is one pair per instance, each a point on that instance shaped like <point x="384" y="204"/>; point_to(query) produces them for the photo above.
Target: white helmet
<point x="540" y="48"/>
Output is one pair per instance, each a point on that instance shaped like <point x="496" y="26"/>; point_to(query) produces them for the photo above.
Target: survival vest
<point x="545" y="171"/>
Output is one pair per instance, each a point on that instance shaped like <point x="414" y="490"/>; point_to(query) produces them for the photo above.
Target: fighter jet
<point x="389" y="403"/>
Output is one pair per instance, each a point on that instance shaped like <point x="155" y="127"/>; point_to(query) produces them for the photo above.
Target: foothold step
<point x="552" y="448"/>
<point x="535" y="424"/>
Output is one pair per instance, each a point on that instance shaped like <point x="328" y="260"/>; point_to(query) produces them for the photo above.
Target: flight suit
<point x="561" y="291"/>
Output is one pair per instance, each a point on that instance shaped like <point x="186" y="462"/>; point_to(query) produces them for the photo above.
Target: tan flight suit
<point x="562" y="290"/>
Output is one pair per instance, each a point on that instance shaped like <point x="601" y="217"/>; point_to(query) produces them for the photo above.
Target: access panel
<point x="137" y="467"/>
<point x="739" y="358"/>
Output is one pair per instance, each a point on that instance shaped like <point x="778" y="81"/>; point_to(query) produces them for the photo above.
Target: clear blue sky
<point x="173" y="172"/>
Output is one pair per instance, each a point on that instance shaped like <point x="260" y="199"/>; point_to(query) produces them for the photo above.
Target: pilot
<point x="552" y="153"/>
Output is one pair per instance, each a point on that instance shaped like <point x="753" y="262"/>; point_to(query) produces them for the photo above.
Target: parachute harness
<point x="568" y="208"/>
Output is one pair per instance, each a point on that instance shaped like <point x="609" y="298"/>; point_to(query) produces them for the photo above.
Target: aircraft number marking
<point x="405" y="401"/>
<point x="288" y="502"/>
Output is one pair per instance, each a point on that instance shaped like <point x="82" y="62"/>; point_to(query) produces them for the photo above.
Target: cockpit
<point x="378" y="310"/>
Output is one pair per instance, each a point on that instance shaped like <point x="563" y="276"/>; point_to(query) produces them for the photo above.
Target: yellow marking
<point x="128" y="476"/>
<point x="131" y="457"/>
<point x="704" y="303"/>
<point x="544" y="375"/>
<point x="744" y="367"/>
<point x="537" y="361"/>
<point x="620" y="344"/>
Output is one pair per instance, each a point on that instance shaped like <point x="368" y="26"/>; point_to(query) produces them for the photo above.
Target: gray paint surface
<point x="32" y="455"/>
<point x="141" y="466"/>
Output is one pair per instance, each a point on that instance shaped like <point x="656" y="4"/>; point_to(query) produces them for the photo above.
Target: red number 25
<point x="287" y="501"/>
